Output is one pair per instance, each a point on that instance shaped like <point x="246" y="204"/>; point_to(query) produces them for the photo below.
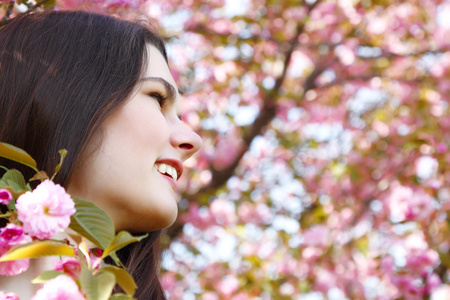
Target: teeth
<point x="162" y="168"/>
<point x="172" y="172"/>
<point x="167" y="169"/>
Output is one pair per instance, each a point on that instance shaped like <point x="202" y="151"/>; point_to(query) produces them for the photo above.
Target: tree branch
<point x="267" y="113"/>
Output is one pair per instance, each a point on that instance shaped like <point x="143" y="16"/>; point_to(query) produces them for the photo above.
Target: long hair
<point x="62" y="74"/>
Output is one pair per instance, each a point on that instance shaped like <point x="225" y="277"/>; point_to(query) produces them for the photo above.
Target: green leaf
<point x="115" y="258"/>
<point x="98" y="286"/>
<point x="120" y="297"/>
<point x="49" y="4"/>
<point x="46" y="276"/>
<point x="12" y="204"/>
<point x="41" y="175"/>
<point x="121" y="240"/>
<point x="93" y="223"/>
<point x="123" y="279"/>
<point x="37" y="249"/>
<point x="16" y="154"/>
<point x="3" y="184"/>
<point x="14" y="179"/>
<point x="62" y="154"/>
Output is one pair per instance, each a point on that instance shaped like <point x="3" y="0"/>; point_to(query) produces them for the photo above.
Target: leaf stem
<point x="8" y="214"/>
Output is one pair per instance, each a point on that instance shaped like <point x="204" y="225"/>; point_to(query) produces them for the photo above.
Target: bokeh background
<point x="326" y="127"/>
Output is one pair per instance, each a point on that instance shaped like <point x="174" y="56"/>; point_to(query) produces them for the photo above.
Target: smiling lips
<point x="173" y="169"/>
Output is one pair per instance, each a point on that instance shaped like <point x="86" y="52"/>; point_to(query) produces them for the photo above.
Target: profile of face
<point x="132" y="174"/>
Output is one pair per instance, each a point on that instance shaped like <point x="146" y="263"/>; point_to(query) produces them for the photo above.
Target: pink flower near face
<point x="5" y="196"/>
<point x="14" y="267"/>
<point x="46" y="211"/>
<point x="8" y="296"/>
<point x="11" y="235"/>
<point x="70" y="266"/>
<point x="59" y="288"/>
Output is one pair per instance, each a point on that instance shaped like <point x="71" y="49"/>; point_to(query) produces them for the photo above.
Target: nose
<point x="185" y="140"/>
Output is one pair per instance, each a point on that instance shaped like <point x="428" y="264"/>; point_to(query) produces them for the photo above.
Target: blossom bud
<point x="5" y="196"/>
<point x="11" y="234"/>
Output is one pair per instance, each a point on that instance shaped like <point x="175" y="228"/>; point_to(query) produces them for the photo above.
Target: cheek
<point x="138" y="127"/>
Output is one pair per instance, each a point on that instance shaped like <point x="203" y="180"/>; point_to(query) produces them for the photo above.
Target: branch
<point x="268" y="112"/>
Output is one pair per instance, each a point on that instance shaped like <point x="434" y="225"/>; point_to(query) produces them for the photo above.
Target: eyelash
<point x="159" y="97"/>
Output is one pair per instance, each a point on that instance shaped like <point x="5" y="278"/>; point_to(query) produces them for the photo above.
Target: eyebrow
<point x="170" y="90"/>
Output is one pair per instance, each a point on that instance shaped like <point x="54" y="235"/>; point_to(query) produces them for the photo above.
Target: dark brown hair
<point x="62" y="74"/>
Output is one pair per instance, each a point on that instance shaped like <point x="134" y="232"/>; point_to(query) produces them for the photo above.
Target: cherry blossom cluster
<point x="38" y="214"/>
<point x="343" y="193"/>
<point x="46" y="221"/>
<point x="324" y="167"/>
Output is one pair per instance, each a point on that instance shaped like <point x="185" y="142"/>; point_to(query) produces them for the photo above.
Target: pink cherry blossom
<point x="168" y="282"/>
<point x="46" y="211"/>
<point x="318" y="235"/>
<point x="433" y="282"/>
<point x="224" y="211"/>
<point x="200" y="217"/>
<point x="209" y="296"/>
<point x="10" y="236"/>
<point x="379" y="221"/>
<point x="13" y="267"/>
<point x="241" y="296"/>
<point x="228" y="285"/>
<point x="70" y="266"/>
<point x="422" y="261"/>
<point x="325" y="280"/>
<point x="258" y="213"/>
<point x="60" y="288"/>
<point x="407" y="286"/>
<point x="8" y="296"/>
<point x="227" y="149"/>
<point x="441" y="293"/>
<point x="407" y="204"/>
<point x="5" y="196"/>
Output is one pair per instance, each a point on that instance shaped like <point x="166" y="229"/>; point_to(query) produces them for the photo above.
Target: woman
<point x="100" y="88"/>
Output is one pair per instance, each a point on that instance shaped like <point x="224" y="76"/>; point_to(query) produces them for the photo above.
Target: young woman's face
<point x="133" y="175"/>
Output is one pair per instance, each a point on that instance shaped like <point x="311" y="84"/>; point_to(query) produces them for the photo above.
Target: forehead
<point x="157" y="66"/>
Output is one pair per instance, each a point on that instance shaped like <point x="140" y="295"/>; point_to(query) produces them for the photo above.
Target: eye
<point x="159" y="97"/>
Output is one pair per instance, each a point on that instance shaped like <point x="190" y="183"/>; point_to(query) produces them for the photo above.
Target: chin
<point x="160" y="222"/>
<point x="165" y="223"/>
